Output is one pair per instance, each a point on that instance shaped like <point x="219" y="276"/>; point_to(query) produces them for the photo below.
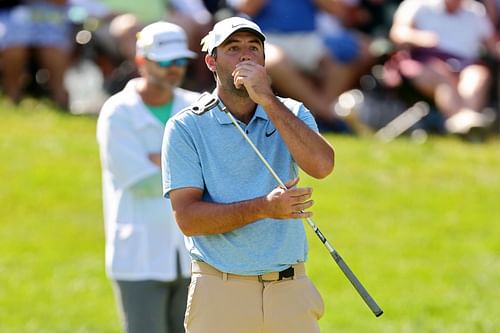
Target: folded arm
<point x="197" y="217"/>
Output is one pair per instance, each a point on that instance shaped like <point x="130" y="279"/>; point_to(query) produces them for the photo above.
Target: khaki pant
<point x="227" y="303"/>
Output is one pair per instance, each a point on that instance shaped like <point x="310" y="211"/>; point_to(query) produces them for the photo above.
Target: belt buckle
<point x="287" y="273"/>
<point x="284" y="274"/>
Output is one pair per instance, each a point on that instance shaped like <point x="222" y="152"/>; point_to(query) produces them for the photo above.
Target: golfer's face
<point x="240" y="46"/>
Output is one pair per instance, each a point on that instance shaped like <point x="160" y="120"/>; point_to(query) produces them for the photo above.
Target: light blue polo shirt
<point x="208" y="152"/>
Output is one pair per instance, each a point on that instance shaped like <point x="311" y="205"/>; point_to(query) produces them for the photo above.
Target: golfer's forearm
<point x="310" y="150"/>
<point x="205" y="218"/>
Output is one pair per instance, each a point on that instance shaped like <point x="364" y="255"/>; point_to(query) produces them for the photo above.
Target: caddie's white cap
<point x="163" y="41"/>
<point x="225" y="28"/>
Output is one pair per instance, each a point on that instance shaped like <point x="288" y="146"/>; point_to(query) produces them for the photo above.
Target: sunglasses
<point x="175" y="62"/>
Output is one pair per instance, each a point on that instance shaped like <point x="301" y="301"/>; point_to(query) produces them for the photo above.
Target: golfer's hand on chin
<point x="289" y="202"/>
<point x="256" y="81"/>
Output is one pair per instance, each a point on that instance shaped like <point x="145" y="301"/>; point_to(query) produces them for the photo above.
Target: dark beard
<point x="240" y="92"/>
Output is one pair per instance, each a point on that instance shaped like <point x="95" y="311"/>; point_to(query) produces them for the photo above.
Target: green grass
<point x="418" y="225"/>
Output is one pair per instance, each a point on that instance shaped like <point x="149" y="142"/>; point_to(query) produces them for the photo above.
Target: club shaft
<point x="377" y="311"/>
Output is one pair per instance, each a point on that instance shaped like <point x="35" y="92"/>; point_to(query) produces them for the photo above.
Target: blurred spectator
<point x="493" y="10"/>
<point x="191" y="15"/>
<point x="349" y="47"/>
<point x="112" y="45"/>
<point x="197" y="21"/>
<point x="113" y="25"/>
<point x="122" y="31"/>
<point x="103" y="57"/>
<point x="39" y="28"/>
<point x="145" y="254"/>
<point x="440" y="42"/>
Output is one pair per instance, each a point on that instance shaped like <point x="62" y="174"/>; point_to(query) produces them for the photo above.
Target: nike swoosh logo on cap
<point x="237" y="25"/>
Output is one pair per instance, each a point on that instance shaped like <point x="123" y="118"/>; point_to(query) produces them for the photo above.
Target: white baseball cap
<point x="163" y="41"/>
<point x="225" y="28"/>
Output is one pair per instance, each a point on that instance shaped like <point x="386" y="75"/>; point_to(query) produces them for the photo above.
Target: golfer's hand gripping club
<point x="207" y="102"/>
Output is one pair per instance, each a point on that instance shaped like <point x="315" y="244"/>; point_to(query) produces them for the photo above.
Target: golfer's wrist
<point x="261" y="208"/>
<point x="269" y="102"/>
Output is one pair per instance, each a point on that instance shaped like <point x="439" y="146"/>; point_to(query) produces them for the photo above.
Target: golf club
<point x="207" y="102"/>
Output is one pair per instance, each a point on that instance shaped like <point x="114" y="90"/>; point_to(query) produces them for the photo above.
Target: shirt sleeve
<point x="181" y="165"/>
<point x="306" y="116"/>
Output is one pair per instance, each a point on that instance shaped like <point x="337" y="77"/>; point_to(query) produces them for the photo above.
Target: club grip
<point x="377" y="311"/>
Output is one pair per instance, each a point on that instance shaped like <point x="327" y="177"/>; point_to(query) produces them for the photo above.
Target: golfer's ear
<point x="210" y="61"/>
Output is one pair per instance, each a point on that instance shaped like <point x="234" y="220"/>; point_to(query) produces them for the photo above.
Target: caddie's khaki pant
<point x="228" y="303"/>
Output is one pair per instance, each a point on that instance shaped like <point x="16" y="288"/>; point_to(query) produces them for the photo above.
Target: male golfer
<point x="145" y="254"/>
<point x="245" y="233"/>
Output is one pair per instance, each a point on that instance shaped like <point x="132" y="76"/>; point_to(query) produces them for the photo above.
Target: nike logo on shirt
<point x="268" y="134"/>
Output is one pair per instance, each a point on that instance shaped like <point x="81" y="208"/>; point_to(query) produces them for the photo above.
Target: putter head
<point x="205" y="102"/>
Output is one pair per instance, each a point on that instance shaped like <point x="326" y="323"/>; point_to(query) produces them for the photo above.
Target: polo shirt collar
<point x="141" y="116"/>
<point x="223" y="119"/>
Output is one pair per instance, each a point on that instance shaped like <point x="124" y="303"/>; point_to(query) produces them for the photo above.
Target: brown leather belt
<point x="292" y="272"/>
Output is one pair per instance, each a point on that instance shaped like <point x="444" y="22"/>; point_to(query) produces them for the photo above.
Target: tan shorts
<point x="220" y="302"/>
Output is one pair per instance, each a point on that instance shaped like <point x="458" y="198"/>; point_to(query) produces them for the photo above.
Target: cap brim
<point x="165" y="56"/>
<point x="244" y="29"/>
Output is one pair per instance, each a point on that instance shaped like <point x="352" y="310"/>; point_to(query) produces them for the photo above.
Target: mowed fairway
<point x="419" y="224"/>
